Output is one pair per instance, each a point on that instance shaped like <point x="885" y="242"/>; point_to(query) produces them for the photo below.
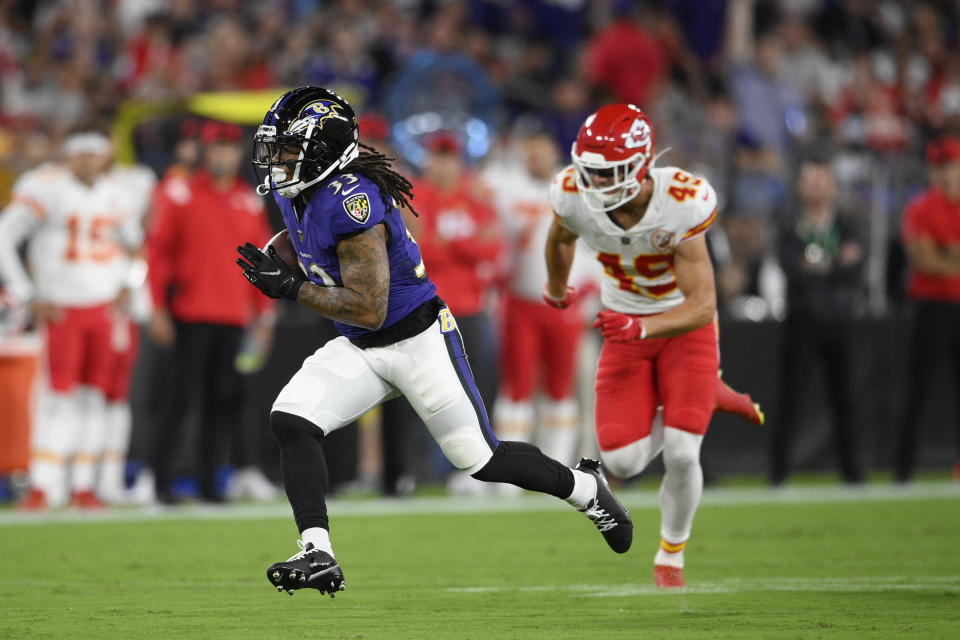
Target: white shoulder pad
<point x="563" y="193"/>
<point x="35" y="187"/>
<point x="690" y="200"/>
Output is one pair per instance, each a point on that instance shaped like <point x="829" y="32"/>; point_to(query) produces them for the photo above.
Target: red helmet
<point x="612" y="154"/>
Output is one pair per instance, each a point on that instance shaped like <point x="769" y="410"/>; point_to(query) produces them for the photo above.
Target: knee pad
<point x="629" y="460"/>
<point x="681" y="449"/>
<point x="465" y="448"/>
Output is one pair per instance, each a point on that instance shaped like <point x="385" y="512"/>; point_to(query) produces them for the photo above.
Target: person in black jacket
<point x="821" y="257"/>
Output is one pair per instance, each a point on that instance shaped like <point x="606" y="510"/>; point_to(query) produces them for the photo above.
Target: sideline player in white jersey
<point x="134" y="186"/>
<point x="657" y="375"/>
<point x="538" y="345"/>
<point x="73" y="219"/>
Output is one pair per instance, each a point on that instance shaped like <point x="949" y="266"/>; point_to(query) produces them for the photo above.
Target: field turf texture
<point x="816" y="562"/>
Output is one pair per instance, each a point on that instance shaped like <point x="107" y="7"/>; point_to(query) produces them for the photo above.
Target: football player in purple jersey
<point x="359" y="266"/>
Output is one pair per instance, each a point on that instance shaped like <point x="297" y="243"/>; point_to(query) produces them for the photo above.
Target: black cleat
<point x="309" y="569"/>
<point x="606" y="512"/>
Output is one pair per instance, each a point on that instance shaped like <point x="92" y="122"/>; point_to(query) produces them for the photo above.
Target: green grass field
<point x="808" y="563"/>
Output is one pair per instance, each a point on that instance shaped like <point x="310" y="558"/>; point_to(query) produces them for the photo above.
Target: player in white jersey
<point x="73" y="219"/>
<point x="538" y="345"/>
<point x="656" y="379"/>
<point x="133" y="185"/>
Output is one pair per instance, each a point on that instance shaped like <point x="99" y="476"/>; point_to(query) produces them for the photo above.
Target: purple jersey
<point x="342" y="206"/>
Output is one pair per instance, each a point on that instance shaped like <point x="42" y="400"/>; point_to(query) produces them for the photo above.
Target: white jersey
<point x="76" y="256"/>
<point x="133" y="185"/>
<point x="638" y="262"/>
<point x="523" y="206"/>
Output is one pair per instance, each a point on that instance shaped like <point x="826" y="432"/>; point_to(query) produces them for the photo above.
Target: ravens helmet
<point x="307" y="134"/>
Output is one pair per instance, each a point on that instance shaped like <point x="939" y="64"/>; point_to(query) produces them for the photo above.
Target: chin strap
<point x="348" y="156"/>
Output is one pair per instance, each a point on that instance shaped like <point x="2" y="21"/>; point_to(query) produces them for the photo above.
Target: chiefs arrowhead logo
<point x="638" y="136"/>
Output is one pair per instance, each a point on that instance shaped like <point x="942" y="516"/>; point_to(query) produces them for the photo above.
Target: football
<point x="284" y="248"/>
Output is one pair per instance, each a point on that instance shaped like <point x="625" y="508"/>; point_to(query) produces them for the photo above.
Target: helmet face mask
<point x="612" y="155"/>
<point x="306" y="135"/>
<point x="604" y="185"/>
<point x="268" y="152"/>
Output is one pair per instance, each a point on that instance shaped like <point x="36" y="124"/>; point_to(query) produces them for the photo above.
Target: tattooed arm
<point x="365" y="271"/>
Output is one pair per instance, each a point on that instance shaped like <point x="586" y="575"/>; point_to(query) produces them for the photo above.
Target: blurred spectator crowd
<point x="741" y="91"/>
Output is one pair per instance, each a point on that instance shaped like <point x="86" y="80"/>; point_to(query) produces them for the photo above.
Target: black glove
<point x="269" y="273"/>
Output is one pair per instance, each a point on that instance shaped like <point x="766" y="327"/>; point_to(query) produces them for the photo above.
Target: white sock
<point x="91" y="427"/>
<point x="52" y="442"/>
<point x="680" y="490"/>
<point x="558" y="436"/>
<point x="584" y="489"/>
<point x="670" y="558"/>
<point x="319" y="537"/>
<point x="110" y="483"/>
<point x="559" y="444"/>
<point x="513" y="419"/>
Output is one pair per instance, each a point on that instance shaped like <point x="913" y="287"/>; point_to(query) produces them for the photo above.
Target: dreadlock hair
<point x="395" y="189"/>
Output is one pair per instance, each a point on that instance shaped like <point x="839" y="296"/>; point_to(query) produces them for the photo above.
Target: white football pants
<point x="341" y="382"/>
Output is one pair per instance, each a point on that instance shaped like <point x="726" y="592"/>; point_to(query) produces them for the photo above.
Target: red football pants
<point x="633" y="379"/>
<point x="538" y="343"/>
<point x="79" y="348"/>
<point x="126" y="342"/>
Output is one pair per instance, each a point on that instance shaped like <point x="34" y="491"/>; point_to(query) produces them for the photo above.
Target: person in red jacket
<point x="201" y="310"/>
<point x="931" y="237"/>
<point x="155" y="358"/>
<point x="462" y="246"/>
<point x="625" y="59"/>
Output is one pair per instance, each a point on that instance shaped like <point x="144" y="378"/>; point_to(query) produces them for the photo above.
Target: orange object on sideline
<point x="18" y="369"/>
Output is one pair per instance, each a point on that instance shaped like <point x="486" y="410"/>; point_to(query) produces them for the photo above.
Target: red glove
<point x="619" y="327"/>
<point x="569" y="298"/>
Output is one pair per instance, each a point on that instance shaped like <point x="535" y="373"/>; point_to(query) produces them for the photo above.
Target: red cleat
<point x="35" y="500"/>
<point x="740" y="404"/>
<point x="956" y="471"/>
<point x="667" y="577"/>
<point x="86" y="499"/>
